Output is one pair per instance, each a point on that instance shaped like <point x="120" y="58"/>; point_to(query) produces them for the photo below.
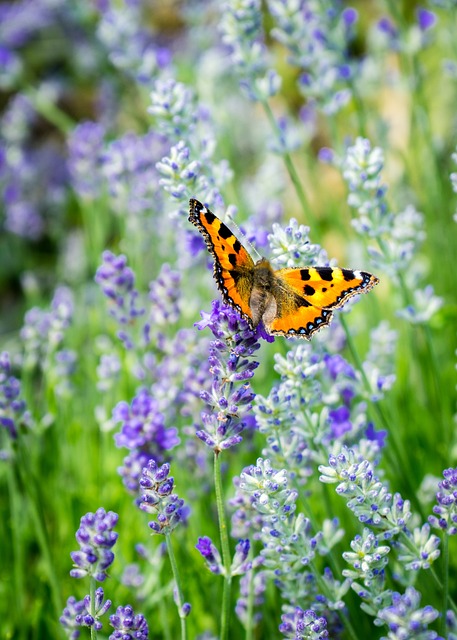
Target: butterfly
<point x="291" y="302"/>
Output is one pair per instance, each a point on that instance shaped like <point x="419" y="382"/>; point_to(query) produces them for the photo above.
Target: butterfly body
<point x="290" y="302"/>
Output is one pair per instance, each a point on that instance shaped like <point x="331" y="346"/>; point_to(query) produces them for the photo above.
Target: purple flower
<point x="96" y="539"/>
<point x="164" y="293"/>
<point x="340" y="422"/>
<point x="425" y="19"/>
<point x="404" y="618"/>
<point x="338" y="366"/>
<point x="157" y="498"/>
<point x="445" y="511"/>
<point x="142" y="425"/>
<point x="211" y="555"/>
<point x="230" y="364"/>
<point x="128" y="625"/>
<point x="128" y="165"/>
<point x="13" y="409"/>
<point x="303" y="624"/>
<point x="85" y="146"/>
<point x="386" y="26"/>
<point x="132" y="469"/>
<point x="68" y="619"/>
<point x="89" y="616"/>
<point x="117" y="282"/>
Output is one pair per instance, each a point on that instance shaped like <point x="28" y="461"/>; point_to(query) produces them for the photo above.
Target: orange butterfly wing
<point x="308" y="295"/>
<point x="327" y="287"/>
<point x="233" y="266"/>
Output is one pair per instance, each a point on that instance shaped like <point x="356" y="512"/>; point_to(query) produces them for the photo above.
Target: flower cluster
<point x="405" y="619"/>
<point x="129" y="168"/>
<point x="231" y="365"/>
<point x="445" y="511"/>
<point x="96" y="539"/>
<point x="320" y="403"/>
<point x="388" y="515"/>
<point x="117" y="282"/>
<point x="85" y="152"/>
<point x="411" y="40"/>
<point x="398" y="236"/>
<point x="240" y="564"/>
<point x="128" y="625"/>
<point x="82" y="614"/>
<point x="157" y="498"/>
<point x="241" y="28"/>
<point x="13" y="408"/>
<point x="303" y="625"/>
<point x="143" y="431"/>
<point x="289" y="547"/>
<point x="32" y="176"/>
<point x="130" y="46"/>
<point x="317" y="36"/>
<point x="291" y="246"/>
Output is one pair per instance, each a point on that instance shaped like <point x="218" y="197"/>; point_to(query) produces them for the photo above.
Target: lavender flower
<point x="164" y="294"/>
<point x="289" y="546"/>
<point x="117" y="282"/>
<point x="128" y="625"/>
<point x="72" y="611"/>
<point x="143" y="425"/>
<point x="303" y="625"/>
<point x="32" y="175"/>
<point x="257" y="583"/>
<point x="157" y="498"/>
<point x="397" y="235"/>
<point x="291" y="246"/>
<point x="318" y="39"/>
<point x="241" y="28"/>
<point x="13" y="408"/>
<point x="173" y="106"/>
<point x="229" y="402"/>
<point x="44" y="331"/>
<point x="404" y="618"/>
<point x="89" y="616"/>
<point x="445" y="511"/>
<point x="211" y="555"/>
<point x="21" y="20"/>
<point x="130" y="46"/>
<point x="96" y="539"/>
<point x="85" y="148"/>
<point x="129" y="168"/>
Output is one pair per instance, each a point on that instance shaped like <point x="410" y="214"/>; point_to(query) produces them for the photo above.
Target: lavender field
<point x="169" y="470"/>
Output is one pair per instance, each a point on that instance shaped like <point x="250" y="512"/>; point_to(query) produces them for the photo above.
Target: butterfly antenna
<point x="241" y="234"/>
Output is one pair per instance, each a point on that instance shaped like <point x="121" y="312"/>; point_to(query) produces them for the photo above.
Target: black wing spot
<point x="225" y="232"/>
<point x="326" y="273"/>
<point x="237" y="246"/>
<point x="324" y="289"/>
<point x="210" y="217"/>
<point x="348" y="274"/>
<point x="308" y="290"/>
<point x="304" y="274"/>
<point x="232" y="258"/>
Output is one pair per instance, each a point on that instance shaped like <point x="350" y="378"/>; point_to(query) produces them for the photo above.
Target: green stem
<point x="93" y="631"/>
<point x="179" y="593"/>
<point x="250" y="607"/>
<point x="225" y="615"/>
<point x="445" y="555"/>
<point x="291" y="168"/>
<point x="49" y="111"/>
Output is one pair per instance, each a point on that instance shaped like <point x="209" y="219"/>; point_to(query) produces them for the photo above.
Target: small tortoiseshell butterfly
<point x="292" y="302"/>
